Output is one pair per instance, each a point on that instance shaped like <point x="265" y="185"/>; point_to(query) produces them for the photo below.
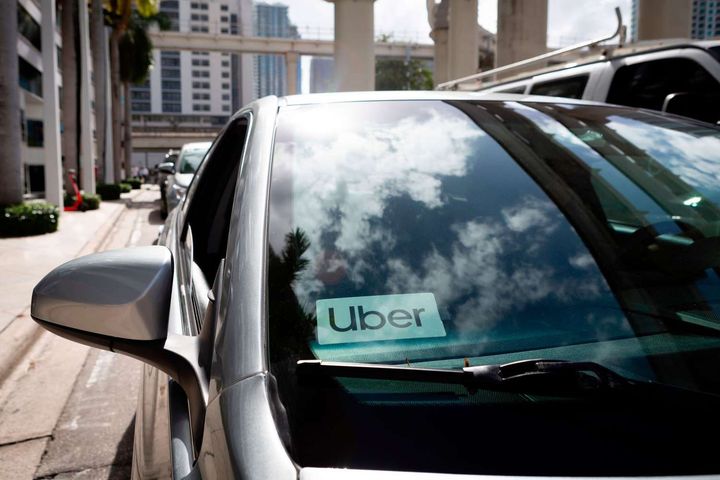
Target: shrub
<point x="35" y="218"/>
<point x="90" y="202"/>
<point x="125" y="187"/>
<point x="68" y="200"/>
<point x="108" y="191"/>
<point x="134" y="182"/>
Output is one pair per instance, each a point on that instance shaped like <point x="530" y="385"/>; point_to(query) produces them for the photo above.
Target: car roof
<point x="603" y="53"/>
<point x="342" y="97"/>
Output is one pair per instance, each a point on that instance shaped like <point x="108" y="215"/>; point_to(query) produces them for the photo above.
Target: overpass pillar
<point x="664" y="19"/>
<point x="521" y="30"/>
<point x="354" y="45"/>
<point x="462" y="38"/>
<point x="291" y="67"/>
<point x="51" y="107"/>
<point x="438" y="16"/>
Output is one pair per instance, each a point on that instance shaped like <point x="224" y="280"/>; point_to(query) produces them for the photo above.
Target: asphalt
<point x="66" y="411"/>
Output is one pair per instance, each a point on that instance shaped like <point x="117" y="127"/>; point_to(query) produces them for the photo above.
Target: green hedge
<point x="90" y="202"/>
<point x="109" y="191"/>
<point x="35" y="218"/>
<point x="134" y="182"/>
<point x="125" y="187"/>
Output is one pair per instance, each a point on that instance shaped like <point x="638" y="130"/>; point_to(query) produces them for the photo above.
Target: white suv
<point x="676" y="76"/>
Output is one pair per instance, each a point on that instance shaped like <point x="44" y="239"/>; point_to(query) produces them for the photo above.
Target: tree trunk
<point x="11" y="187"/>
<point x="69" y="101"/>
<point x="115" y="87"/>
<point x="99" y="53"/>
<point x="127" y="129"/>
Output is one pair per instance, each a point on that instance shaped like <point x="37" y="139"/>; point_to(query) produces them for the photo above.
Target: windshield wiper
<point x="525" y="375"/>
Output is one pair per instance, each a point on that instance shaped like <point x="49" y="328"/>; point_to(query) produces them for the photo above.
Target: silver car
<point x="412" y="285"/>
<point x="177" y="182"/>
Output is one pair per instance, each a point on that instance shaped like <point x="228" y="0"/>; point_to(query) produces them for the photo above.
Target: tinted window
<point x="566" y="87"/>
<point x="447" y="234"/>
<point x="647" y="84"/>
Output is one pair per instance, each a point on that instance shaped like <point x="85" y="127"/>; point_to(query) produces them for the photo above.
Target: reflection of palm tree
<point x="290" y="326"/>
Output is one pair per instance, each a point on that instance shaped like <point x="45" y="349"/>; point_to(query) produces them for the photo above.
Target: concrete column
<point x="664" y="19"/>
<point x="522" y="30"/>
<point x="462" y="38"/>
<point x="438" y="19"/>
<point x="354" y="45"/>
<point x="109" y="163"/>
<point x="87" y="146"/>
<point x="51" y="107"/>
<point x="291" y="66"/>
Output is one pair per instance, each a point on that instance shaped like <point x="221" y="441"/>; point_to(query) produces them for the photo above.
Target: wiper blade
<point x="524" y="375"/>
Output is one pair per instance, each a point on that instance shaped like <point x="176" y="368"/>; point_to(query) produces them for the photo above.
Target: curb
<point x="22" y="332"/>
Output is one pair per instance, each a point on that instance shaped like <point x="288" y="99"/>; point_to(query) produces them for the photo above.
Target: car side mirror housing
<point x="115" y="295"/>
<point x="167" y="168"/>
<point x="700" y="106"/>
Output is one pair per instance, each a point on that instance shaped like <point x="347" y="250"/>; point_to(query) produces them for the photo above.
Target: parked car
<point x="676" y="76"/>
<point x="374" y="285"/>
<point x="178" y="178"/>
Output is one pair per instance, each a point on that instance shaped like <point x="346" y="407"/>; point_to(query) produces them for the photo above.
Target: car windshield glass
<point x="191" y="157"/>
<point x="453" y="234"/>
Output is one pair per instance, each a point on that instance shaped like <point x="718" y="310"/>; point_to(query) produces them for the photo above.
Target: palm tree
<point x="136" y="56"/>
<point x="120" y="14"/>
<point x="11" y="189"/>
<point x="70" y="90"/>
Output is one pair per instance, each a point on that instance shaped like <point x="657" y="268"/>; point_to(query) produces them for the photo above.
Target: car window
<point x="520" y="89"/>
<point x="647" y="84"/>
<point x="191" y="156"/>
<point x="435" y="234"/>
<point x="565" y="87"/>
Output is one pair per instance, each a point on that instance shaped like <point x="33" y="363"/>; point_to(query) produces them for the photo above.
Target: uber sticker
<point x="378" y="317"/>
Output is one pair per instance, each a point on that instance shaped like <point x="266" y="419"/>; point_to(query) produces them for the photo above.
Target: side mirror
<point x="120" y="301"/>
<point x="167" y="168"/>
<point x="700" y="106"/>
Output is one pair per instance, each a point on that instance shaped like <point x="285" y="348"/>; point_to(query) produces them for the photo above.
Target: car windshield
<point x="447" y="234"/>
<point x="190" y="157"/>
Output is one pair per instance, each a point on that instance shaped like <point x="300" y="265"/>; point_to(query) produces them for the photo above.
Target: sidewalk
<point x="24" y="261"/>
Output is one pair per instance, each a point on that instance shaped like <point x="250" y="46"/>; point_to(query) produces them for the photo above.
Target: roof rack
<point x="619" y="31"/>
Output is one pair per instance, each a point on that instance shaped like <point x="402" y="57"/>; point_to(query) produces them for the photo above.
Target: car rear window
<point x="451" y="234"/>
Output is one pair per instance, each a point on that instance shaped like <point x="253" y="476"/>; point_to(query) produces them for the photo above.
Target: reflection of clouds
<point x="694" y="159"/>
<point x="490" y="264"/>
<point x="581" y="260"/>
<point x="347" y="179"/>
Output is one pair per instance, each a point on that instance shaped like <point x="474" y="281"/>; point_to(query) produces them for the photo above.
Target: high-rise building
<point x="271" y="20"/>
<point x="196" y="87"/>
<point x="31" y="71"/>
<point x="705" y="19"/>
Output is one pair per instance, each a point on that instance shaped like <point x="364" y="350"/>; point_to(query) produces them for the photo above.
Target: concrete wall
<point x="664" y="19"/>
<point x="522" y="30"/>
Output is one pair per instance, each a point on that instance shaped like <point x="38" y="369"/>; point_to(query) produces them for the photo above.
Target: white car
<point x="177" y="183"/>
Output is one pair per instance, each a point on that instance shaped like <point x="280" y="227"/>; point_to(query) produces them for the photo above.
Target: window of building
<point x="200" y="73"/>
<point x="28" y="27"/>
<point x="198" y="107"/>
<point x="170" y="73"/>
<point x="223" y="8"/>
<point x="169" y="4"/>
<point x="224" y="18"/>
<point x="225" y="74"/>
<point x="170" y="85"/>
<point x="572" y="87"/>
<point x="226" y="96"/>
<point x="200" y="62"/>
<point x="647" y="84"/>
<point x="171" y="107"/>
<point x="166" y="61"/>
<point x="199" y="17"/>
<point x="30" y="78"/>
<point x="201" y="29"/>
<point x="140" y="95"/>
<point x="225" y="63"/>
<point x="224" y="30"/>
<point x="140" y="106"/>
<point x="226" y="108"/>
<point x="35" y="136"/>
<point x="171" y="96"/>
<point x="203" y="85"/>
<point x="226" y="85"/>
<point x="201" y="96"/>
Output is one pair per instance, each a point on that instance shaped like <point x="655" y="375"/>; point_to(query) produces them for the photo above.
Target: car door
<point x="168" y="430"/>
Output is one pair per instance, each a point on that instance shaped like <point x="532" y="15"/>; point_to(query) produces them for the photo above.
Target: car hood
<point x="346" y="474"/>
<point x="183" y="179"/>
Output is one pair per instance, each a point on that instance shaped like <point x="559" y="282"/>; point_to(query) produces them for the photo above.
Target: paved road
<point x="92" y="433"/>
